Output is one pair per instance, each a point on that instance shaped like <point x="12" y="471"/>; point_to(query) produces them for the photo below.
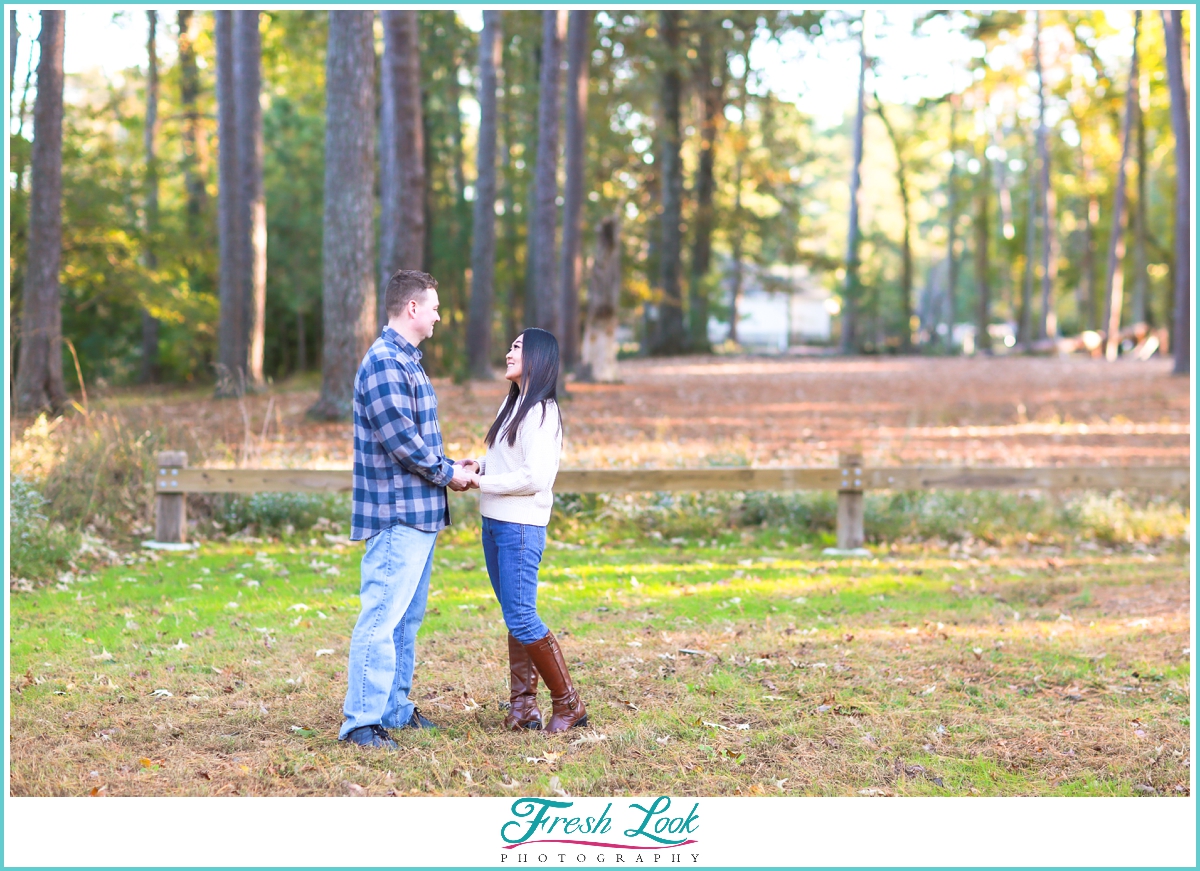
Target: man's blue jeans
<point x="513" y="552"/>
<point x="394" y="590"/>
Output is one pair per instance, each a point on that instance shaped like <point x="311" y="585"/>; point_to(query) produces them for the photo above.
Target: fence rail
<point x="850" y="479"/>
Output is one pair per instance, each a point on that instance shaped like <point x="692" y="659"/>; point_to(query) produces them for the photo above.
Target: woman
<point x="514" y="479"/>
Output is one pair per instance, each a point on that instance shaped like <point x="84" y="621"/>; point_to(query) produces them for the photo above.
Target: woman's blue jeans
<point x="395" y="587"/>
<point x="513" y="552"/>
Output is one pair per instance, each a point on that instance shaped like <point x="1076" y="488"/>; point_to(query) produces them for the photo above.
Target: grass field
<point x="744" y="664"/>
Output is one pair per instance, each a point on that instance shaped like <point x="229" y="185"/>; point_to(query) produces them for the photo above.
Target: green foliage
<point x="38" y="550"/>
<point x="282" y="512"/>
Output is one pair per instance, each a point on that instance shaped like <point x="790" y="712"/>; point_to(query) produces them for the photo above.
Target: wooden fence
<point x="850" y="479"/>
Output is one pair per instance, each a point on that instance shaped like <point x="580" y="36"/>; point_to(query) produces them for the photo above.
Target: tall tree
<point x="739" y="232"/>
<point x="906" y="257"/>
<point x="1114" y="282"/>
<point x="851" y="292"/>
<point x="540" y="299"/>
<point x="247" y="72"/>
<point x="578" y="56"/>
<point x="402" y="158"/>
<point x="231" y="357"/>
<point x="598" y="358"/>
<point x="951" y="308"/>
<point x="983" y="292"/>
<point x="189" y="95"/>
<point x="14" y="39"/>
<point x="1048" y="323"/>
<point x="710" y="74"/>
<point x="348" y="288"/>
<point x="670" y="336"/>
<point x="1138" y="313"/>
<point x="1025" y="313"/>
<point x="39" y="364"/>
<point x="483" y="242"/>
<point x="1181" y="127"/>
<point x="149" y="322"/>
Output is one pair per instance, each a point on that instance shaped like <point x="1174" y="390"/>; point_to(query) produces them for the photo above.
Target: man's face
<point x="424" y="313"/>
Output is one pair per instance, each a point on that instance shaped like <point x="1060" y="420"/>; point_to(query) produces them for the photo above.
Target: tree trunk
<point x="906" y="259"/>
<point x="578" y="58"/>
<point x="951" y="307"/>
<point x="850" y="300"/>
<point x="711" y="84"/>
<point x="39" y="366"/>
<point x="189" y="95"/>
<point x="1025" y="320"/>
<point x="483" y="242"/>
<point x="14" y="40"/>
<point x="1181" y="127"/>
<point x="247" y="73"/>
<point x="402" y="161"/>
<point x="1048" y="323"/>
<point x="1139" y="216"/>
<point x="671" y="339"/>
<point x="541" y="301"/>
<point x="598" y="357"/>
<point x="301" y="342"/>
<point x="231" y="357"/>
<point x="149" y="371"/>
<point x="738" y="233"/>
<point x="348" y="287"/>
<point x="1114" y="284"/>
<point x="513" y="316"/>
<point x="983" y="291"/>
<point x="1091" y="217"/>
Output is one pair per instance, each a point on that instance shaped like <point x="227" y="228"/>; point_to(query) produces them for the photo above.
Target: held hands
<point x="466" y="476"/>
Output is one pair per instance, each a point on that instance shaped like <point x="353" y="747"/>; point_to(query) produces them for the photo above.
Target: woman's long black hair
<point x="539" y="383"/>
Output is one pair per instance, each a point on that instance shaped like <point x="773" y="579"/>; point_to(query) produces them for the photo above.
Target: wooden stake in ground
<point x="1114" y="278"/>
<point x="39" y="366"/>
<point x="170" y="509"/>
<point x="348" y="286"/>
<point x="850" y="533"/>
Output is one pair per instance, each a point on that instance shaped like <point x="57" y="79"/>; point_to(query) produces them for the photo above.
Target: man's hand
<point x="463" y="479"/>
<point x="470" y="465"/>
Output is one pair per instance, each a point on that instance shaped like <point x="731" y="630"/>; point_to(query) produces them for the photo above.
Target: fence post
<point x="850" y="502"/>
<point x="170" y="509"/>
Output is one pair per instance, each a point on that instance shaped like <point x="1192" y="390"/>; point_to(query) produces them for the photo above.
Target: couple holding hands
<point x="400" y="505"/>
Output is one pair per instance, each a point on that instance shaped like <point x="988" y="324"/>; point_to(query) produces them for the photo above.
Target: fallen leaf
<point x="103" y="656"/>
<point x="163" y="694"/>
<point x="352" y="789"/>
<point x="325" y="651"/>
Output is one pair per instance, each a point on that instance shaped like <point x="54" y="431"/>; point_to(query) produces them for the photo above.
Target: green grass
<point x="912" y="673"/>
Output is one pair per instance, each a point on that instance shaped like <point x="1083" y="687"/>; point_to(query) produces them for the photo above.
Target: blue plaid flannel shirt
<point x="400" y="475"/>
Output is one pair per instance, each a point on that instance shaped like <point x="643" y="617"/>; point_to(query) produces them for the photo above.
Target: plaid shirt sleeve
<point x="392" y="407"/>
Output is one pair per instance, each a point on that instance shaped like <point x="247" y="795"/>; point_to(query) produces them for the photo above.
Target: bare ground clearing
<point x="761" y="411"/>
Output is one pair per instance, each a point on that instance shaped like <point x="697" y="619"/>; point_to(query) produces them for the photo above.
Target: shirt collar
<point x="402" y="344"/>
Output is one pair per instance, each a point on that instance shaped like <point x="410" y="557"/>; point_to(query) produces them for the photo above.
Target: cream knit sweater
<point x="515" y="482"/>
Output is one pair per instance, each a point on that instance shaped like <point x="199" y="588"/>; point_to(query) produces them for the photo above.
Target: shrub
<point x="38" y="550"/>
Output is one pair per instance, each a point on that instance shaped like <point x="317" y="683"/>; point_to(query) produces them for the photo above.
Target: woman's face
<point x="513" y="361"/>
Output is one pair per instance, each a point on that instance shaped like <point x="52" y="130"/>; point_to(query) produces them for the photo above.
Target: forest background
<point x="999" y="171"/>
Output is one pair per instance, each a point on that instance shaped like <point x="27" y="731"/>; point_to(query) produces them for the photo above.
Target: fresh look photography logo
<point x="543" y="831"/>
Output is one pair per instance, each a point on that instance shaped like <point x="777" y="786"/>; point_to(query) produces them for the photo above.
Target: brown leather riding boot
<point x="568" y="707"/>
<point x="523" y="711"/>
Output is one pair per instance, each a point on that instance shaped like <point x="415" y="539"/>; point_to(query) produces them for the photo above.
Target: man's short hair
<point x="406" y="284"/>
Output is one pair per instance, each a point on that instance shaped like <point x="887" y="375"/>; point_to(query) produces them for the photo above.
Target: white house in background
<point x="781" y="306"/>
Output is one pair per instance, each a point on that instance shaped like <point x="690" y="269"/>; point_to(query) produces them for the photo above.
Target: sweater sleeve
<point x="537" y="473"/>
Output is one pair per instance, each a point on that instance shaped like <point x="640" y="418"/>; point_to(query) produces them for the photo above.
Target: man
<point x="400" y="479"/>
